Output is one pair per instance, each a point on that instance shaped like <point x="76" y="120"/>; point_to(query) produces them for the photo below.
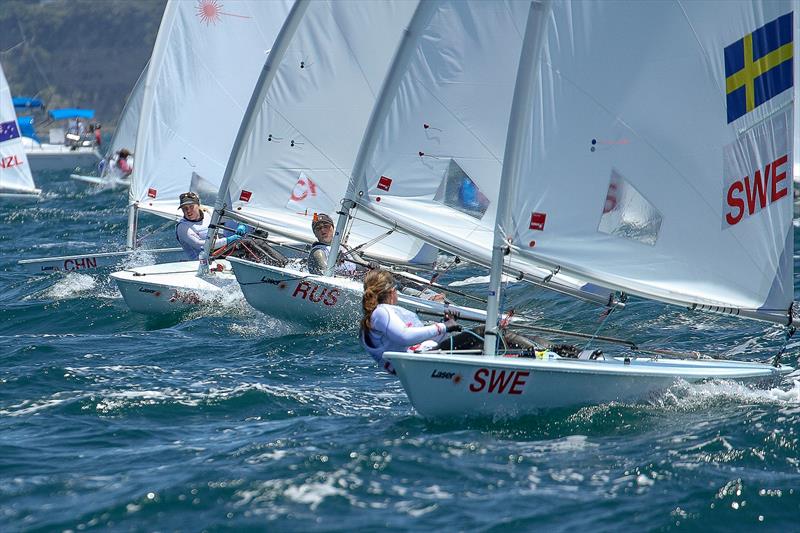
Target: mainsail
<point x="657" y="154"/>
<point x="431" y="160"/>
<point x="297" y="145"/>
<point x="202" y="72"/>
<point x="15" y="172"/>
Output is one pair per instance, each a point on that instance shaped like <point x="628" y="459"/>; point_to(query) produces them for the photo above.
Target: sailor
<point x="193" y="229"/>
<point x="123" y="165"/>
<point x="388" y="327"/>
<point x="322" y="226"/>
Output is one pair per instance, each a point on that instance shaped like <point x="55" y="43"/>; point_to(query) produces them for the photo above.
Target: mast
<point x="795" y="96"/>
<point x="530" y="58"/>
<point x="263" y="85"/>
<point x="147" y="106"/>
<point x="422" y="15"/>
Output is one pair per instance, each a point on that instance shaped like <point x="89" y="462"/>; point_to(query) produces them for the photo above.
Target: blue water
<point x="225" y="419"/>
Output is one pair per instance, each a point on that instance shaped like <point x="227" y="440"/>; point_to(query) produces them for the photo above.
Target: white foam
<point x="313" y="493"/>
<point x="688" y="396"/>
<point x="72" y="285"/>
<point x="29" y="407"/>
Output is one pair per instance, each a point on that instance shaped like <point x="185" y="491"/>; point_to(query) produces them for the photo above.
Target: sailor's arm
<point x="317" y="261"/>
<point x="398" y="333"/>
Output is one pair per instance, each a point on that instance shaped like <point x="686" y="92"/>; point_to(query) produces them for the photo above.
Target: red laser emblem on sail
<point x="210" y="12"/>
<point x="303" y="189"/>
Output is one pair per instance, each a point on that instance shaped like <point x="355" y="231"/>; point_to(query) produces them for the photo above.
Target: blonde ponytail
<point x="378" y="285"/>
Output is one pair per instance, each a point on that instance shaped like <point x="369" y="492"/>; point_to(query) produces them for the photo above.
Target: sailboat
<point x="646" y="158"/>
<point x="62" y="149"/>
<point x="124" y="138"/>
<point x="313" y="102"/>
<point x="204" y="66"/>
<point x="305" y="165"/>
<point x="16" y="180"/>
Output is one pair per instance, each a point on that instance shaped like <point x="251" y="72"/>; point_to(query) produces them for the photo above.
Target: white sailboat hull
<point x="313" y="300"/>
<point x="109" y="183"/>
<point x="446" y="385"/>
<point x="169" y="288"/>
<point x="47" y="156"/>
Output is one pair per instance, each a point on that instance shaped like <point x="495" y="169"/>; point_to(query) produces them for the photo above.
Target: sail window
<point x="459" y="192"/>
<point x="628" y="214"/>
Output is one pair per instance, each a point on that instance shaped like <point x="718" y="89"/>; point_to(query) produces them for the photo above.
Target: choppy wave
<point x="224" y="418"/>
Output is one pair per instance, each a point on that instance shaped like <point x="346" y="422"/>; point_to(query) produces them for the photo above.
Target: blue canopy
<point x="27" y="101"/>
<point x="69" y="112"/>
<point x="26" y="128"/>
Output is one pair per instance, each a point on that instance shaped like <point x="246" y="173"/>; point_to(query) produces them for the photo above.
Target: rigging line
<point x="7" y="50"/>
<point x="221" y="227"/>
<point x="158" y="229"/>
<point x="350" y="251"/>
<point x="378" y="223"/>
<point x="431" y="283"/>
<point x="596" y="331"/>
<point x="776" y="361"/>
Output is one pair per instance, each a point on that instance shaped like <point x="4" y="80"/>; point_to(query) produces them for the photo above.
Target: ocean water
<point x="225" y="419"/>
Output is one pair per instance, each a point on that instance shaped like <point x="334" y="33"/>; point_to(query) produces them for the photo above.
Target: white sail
<point x="657" y="154"/>
<point x="15" y="172"/>
<point x="433" y="159"/>
<point x="128" y="125"/>
<point x="202" y="72"/>
<point x="297" y="150"/>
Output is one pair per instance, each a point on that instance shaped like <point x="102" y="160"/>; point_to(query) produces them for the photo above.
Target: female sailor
<point x="388" y="327"/>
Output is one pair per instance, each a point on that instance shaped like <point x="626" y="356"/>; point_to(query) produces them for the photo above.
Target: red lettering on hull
<point x="315" y="293"/>
<point x="80" y="264"/>
<point x="499" y="381"/>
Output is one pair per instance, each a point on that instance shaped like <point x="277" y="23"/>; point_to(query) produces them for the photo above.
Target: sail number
<point x="746" y="196"/>
<point x="10" y="161"/>
<point x="499" y="381"/>
<point x="315" y="293"/>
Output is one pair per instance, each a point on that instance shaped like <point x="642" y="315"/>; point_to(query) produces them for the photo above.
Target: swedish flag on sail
<point x="758" y="67"/>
